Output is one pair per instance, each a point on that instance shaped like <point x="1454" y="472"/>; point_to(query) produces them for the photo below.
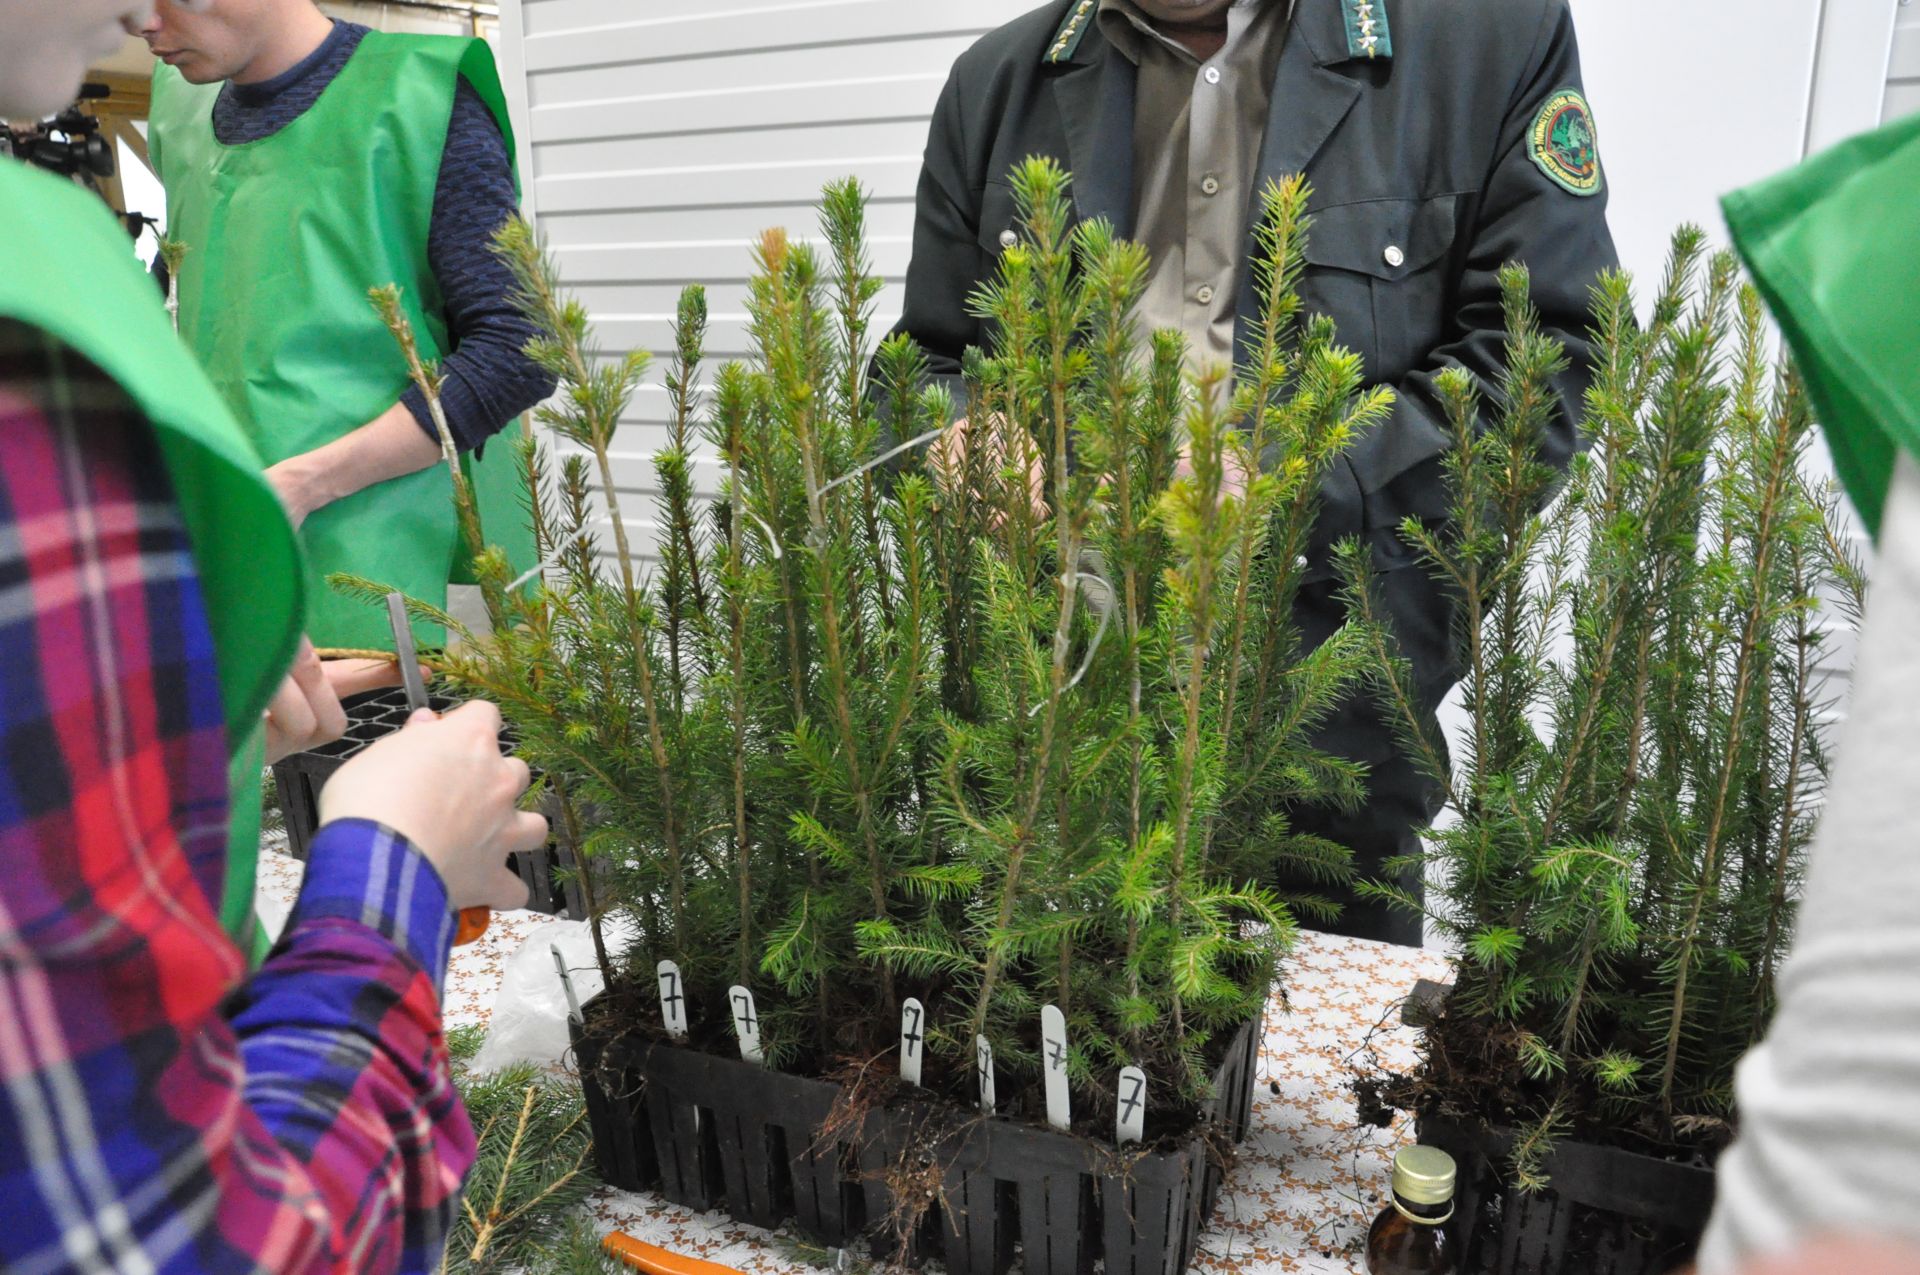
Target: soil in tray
<point x="627" y="1010"/>
<point x="972" y="1188"/>
<point x="1471" y="1073"/>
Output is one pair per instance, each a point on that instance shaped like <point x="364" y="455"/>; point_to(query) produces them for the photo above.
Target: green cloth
<point x="285" y="236"/>
<point x="1834" y="246"/>
<point x="71" y="272"/>
<point x="237" y="911"/>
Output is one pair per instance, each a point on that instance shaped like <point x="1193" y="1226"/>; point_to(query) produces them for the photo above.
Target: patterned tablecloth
<point x="1301" y="1192"/>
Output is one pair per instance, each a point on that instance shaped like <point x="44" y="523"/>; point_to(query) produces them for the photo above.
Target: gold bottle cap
<point x="1423" y="1175"/>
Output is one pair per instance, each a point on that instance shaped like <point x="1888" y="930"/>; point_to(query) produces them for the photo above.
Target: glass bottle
<point x="1410" y="1237"/>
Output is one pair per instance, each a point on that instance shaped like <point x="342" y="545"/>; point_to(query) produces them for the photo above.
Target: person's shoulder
<point x="401" y="47"/>
<point x="1472" y="32"/>
<point x="1020" y="43"/>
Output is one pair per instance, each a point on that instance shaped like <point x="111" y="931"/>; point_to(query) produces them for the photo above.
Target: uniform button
<point x="1213" y="75"/>
<point x="1395" y="257"/>
<point x="1008" y="239"/>
<point x="1205" y="294"/>
<point x="1210" y="186"/>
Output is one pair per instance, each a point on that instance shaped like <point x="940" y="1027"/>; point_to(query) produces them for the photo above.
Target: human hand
<point x="1233" y="476"/>
<point x="1836" y="1255"/>
<point x="948" y="457"/>
<point x="306" y="713"/>
<point x="292" y="481"/>
<point x="443" y="784"/>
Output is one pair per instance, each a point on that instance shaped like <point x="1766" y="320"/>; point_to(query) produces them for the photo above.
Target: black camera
<point x="70" y="144"/>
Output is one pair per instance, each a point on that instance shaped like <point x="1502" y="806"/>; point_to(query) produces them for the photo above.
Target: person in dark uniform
<point x="1443" y="139"/>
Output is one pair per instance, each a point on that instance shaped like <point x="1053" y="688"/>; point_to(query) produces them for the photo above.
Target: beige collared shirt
<point x="1197" y="132"/>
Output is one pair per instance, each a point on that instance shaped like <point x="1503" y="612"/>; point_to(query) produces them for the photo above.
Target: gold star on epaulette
<point x="1071" y="32"/>
<point x="1367" y="34"/>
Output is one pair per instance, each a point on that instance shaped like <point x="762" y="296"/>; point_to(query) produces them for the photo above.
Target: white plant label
<point x="1131" y="1122"/>
<point x="983" y="1063"/>
<point x="673" y="999"/>
<point x="1053" y="1061"/>
<point x="566" y="983"/>
<point x="913" y="1040"/>
<point x="746" y="1023"/>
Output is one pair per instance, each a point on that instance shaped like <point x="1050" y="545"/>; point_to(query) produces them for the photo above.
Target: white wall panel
<point x="1849" y="76"/>
<point x="1903" y="75"/>
<point x="665" y="228"/>
<point x="1670" y="82"/>
<point x="662" y="138"/>
<point x="566" y="34"/>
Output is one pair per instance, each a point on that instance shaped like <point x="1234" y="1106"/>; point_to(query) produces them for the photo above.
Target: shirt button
<point x="1008" y="239"/>
<point x="1395" y="257"/>
<point x="1205" y="294"/>
<point x="1210" y="186"/>
<point x="1213" y="75"/>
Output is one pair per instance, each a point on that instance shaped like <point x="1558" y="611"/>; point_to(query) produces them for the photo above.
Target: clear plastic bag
<point x="529" y="1022"/>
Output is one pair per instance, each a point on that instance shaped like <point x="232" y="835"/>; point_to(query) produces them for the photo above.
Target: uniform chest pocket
<point x="998" y="222"/>
<point x="1382" y="270"/>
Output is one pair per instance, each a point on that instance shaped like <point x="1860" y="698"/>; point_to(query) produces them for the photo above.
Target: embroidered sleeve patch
<point x="1563" y="144"/>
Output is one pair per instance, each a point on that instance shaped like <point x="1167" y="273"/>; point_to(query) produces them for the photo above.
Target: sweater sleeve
<point x="490" y="380"/>
<point x="1829" y="1102"/>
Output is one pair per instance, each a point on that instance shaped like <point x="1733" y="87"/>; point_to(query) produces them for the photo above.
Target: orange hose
<point x="658" y="1261"/>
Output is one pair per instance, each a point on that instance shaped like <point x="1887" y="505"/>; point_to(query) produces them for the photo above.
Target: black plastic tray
<point x="719" y="1133"/>
<point x="370" y="717"/>
<point x="1608" y="1211"/>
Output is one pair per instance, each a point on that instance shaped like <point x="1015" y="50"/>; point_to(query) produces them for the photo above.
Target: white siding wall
<point x="660" y="141"/>
<point x="1849" y="83"/>
<point x="1903" y="78"/>
<point x="663" y="137"/>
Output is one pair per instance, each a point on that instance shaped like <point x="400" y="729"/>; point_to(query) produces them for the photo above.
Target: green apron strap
<point x="237" y="914"/>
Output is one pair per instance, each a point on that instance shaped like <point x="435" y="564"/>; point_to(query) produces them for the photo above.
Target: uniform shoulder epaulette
<point x="1367" y="32"/>
<point x="1071" y="32"/>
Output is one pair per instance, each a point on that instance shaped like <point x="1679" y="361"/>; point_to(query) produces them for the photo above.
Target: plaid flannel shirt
<point x="161" y="1112"/>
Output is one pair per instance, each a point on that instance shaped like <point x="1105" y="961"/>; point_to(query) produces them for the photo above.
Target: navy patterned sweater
<point x="489" y="380"/>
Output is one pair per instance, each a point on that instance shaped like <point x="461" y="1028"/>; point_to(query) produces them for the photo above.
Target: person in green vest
<point x="306" y="161"/>
<point x="163" y="1110"/>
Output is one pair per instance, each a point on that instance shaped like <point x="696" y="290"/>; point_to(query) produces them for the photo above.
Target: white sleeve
<point x="1829" y="1102"/>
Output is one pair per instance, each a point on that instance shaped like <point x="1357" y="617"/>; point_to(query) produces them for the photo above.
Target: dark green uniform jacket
<point x="1461" y="143"/>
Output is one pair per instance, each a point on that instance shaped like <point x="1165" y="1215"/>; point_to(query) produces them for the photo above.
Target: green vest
<point x="1834" y="247"/>
<point x="284" y="238"/>
<point x="71" y="272"/>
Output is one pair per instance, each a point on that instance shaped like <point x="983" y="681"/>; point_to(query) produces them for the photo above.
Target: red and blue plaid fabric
<point x="159" y="1112"/>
